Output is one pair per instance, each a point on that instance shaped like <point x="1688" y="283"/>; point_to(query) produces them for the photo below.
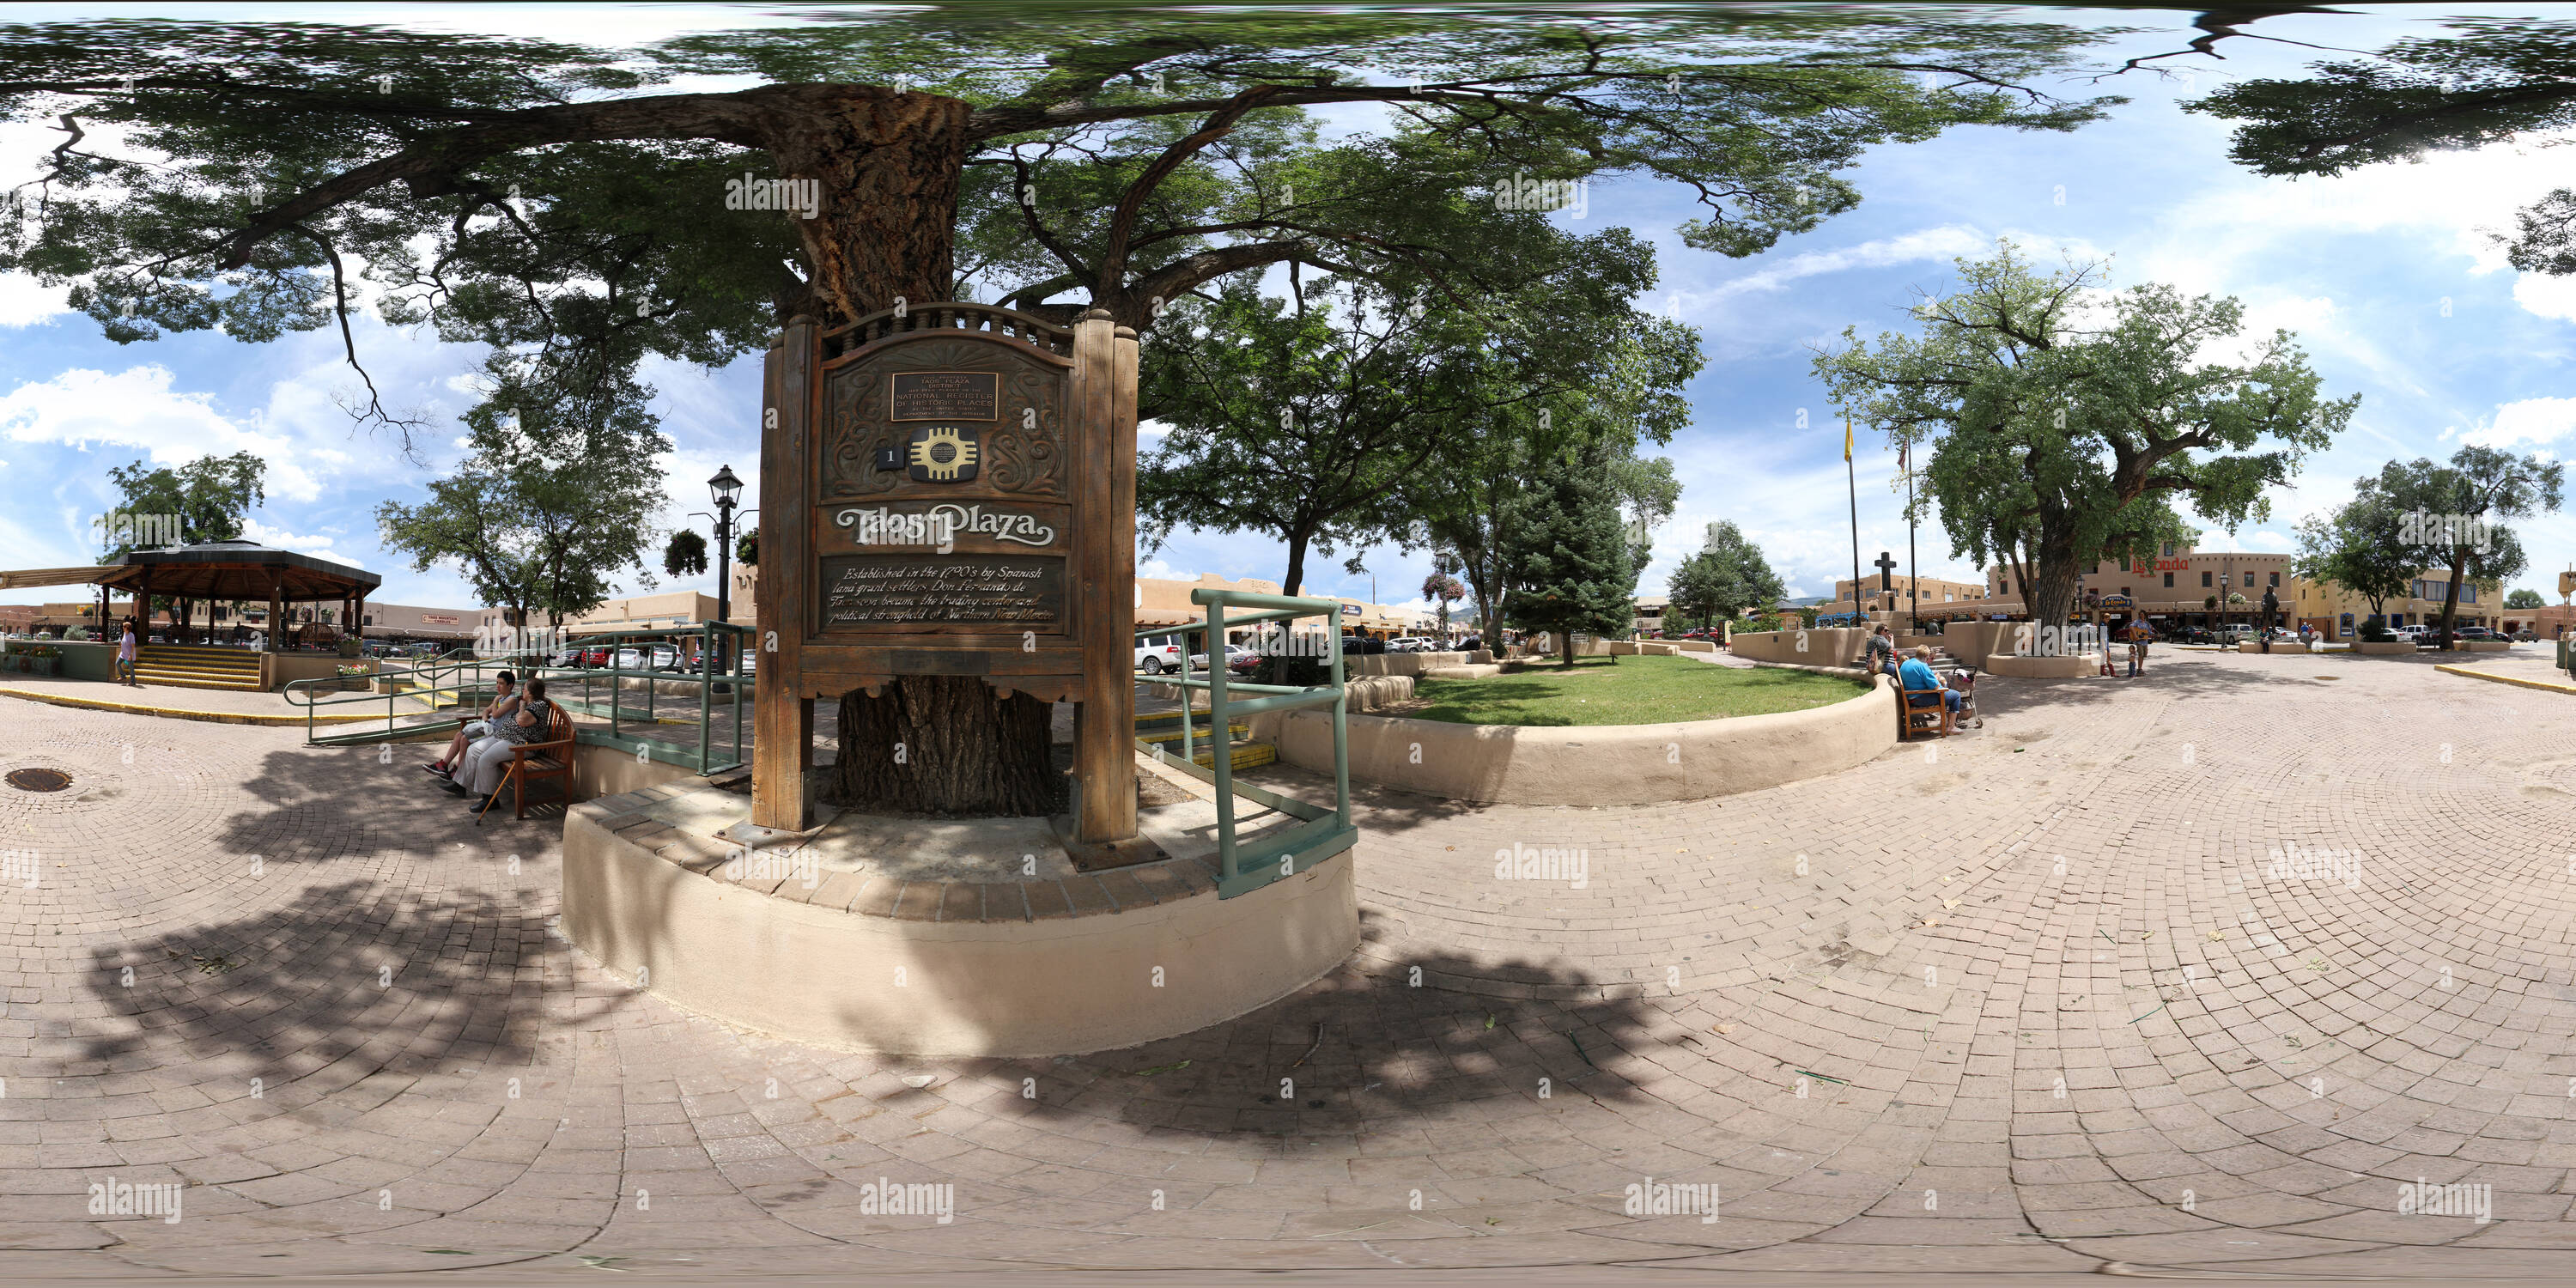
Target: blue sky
<point x="2386" y="276"/>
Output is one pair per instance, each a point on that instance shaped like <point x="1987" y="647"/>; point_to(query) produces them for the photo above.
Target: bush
<point x="2375" y="631"/>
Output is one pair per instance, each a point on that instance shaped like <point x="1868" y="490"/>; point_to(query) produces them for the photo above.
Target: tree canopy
<point x="571" y="200"/>
<point x="209" y="497"/>
<point x="2492" y="80"/>
<point x="2073" y="417"/>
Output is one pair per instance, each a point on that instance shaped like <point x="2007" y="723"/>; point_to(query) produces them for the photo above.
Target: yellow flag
<point x="1846" y="438"/>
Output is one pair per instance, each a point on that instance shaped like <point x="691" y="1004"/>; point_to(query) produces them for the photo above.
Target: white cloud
<point x="1947" y="242"/>
<point x="2549" y="297"/>
<point x="319" y="547"/>
<point x="26" y="302"/>
<point x="2531" y="420"/>
<point x="138" y="408"/>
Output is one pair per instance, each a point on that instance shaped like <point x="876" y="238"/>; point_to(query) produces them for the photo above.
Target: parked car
<point x="2474" y="633"/>
<point x="1199" y="661"/>
<point x="568" y="657"/>
<point x="648" y="657"/>
<point x="1475" y="642"/>
<point x="1160" y="656"/>
<point x="1362" y="646"/>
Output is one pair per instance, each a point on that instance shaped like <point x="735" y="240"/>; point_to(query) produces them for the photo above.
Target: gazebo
<point x="217" y="571"/>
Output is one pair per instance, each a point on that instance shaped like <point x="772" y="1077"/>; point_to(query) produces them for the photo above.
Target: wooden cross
<point x="1885" y="566"/>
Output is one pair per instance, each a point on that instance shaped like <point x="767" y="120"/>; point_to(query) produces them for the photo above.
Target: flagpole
<point x="1851" y="475"/>
<point x="1913" y="570"/>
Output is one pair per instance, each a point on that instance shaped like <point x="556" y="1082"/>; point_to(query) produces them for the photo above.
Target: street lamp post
<point x="727" y="491"/>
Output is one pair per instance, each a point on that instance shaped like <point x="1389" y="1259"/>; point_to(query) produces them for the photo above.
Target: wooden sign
<point x="952" y="492"/>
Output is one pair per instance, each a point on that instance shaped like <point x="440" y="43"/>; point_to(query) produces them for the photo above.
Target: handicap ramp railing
<point x="443" y="693"/>
<point x="1246" y="866"/>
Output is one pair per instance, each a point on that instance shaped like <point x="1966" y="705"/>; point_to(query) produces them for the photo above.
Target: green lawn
<point x="1625" y="690"/>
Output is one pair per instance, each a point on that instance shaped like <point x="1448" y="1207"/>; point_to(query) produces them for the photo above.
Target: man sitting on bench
<point x="1917" y="675"/>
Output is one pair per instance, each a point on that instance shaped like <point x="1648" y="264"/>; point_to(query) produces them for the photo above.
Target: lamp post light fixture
<point x="727" y="493"/>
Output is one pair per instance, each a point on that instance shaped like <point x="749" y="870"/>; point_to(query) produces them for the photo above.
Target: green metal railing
<point x="1319" y="833"/>
<point x="462" y="681"/>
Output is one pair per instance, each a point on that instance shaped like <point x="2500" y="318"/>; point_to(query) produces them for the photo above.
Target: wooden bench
<point x="1910" y="717"/>
<point x="551" y="759"/>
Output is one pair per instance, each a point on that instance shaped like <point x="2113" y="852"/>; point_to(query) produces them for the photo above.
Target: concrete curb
<point x="174" y="713"/>
<point x="2506" y="679"/>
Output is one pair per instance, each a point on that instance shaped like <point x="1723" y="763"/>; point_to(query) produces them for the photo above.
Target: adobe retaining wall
<point x="1092" y="962"/>
<point x="1593" y="764"/>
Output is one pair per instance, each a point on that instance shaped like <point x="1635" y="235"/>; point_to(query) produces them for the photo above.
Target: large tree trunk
<point x="886" y="228"/>
<point x="2451" y="597"/>
<point x="1296" y="576"/>
<point x="946" y="745"/>
<point x="2052" y="598"/>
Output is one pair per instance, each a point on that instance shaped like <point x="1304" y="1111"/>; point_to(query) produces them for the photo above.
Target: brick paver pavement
<point x="2037" y="998"/>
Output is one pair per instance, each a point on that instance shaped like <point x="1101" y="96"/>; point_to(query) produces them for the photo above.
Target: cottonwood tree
<point x="553" y="501"/>
<point x="2078" y="420"/>
<point x="209" y="498"/>
<point x="2357" y="546"/>
<point x="2463" y="511"/>
<point x="545" y="195"/>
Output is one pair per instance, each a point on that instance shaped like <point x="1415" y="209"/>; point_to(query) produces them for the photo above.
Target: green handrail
<point x="464" y="674"/>
<point x="1320" y="833"/>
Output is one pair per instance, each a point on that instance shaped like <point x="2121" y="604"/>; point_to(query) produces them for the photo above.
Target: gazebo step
<point x="1247" y="755"/>
<point x="195" y="682"/>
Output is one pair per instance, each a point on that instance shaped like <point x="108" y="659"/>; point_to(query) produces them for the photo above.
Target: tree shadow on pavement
<point x="1353" y="1052"/>
<point x="365" y="926"/>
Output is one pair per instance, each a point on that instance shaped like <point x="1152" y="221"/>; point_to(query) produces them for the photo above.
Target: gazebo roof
<point x="237" y="569"/>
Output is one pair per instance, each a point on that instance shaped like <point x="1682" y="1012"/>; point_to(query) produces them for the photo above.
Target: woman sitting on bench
<point x="486" y="761"/>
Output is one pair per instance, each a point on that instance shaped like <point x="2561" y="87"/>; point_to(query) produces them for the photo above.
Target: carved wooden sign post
<point x="949" y="490"/>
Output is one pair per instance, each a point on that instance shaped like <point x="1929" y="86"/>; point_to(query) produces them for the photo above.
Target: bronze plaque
<point x="946" y="395"/>
<point x="875" y="592"/>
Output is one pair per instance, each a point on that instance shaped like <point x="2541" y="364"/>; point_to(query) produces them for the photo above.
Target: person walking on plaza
<point x="125" y="656"/>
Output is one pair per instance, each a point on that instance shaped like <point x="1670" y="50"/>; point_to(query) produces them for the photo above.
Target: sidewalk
<point x="220" y="706"/>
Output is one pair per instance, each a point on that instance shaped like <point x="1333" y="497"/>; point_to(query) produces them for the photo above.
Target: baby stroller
<point x="1963" y="682"/>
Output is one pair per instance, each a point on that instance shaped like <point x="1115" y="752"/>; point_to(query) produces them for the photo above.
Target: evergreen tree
<point x="1567" y="551"/>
